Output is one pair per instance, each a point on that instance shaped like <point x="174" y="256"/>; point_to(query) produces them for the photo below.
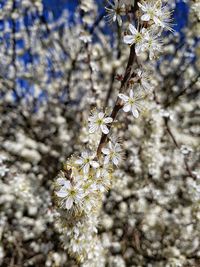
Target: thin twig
<point x="182" y="92"/>
<point x="119" y="103"/>
<point x="187" y="167"/>
<point x="113" y="74"/>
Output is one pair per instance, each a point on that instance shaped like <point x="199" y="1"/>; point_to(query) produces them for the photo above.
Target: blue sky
<point x="57" y="6"/>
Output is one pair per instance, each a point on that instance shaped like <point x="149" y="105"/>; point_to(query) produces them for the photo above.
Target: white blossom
<point x="152" y="44"/>
<point x="137" y="38"/>
<point x="114" y="13"/>
<point x="102" y="179"/>
<point x="132" y="102"/>
<point x="143" y="79"/>
<point x="153" y="11"/>
<point x="98" y="122"/>
<point x="71" y="194"/>
<point x="113" y="153"/>
<point x="86" y="160"/>
<point x="150" y="11"/>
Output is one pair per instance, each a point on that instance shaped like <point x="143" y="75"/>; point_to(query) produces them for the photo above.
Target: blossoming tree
<point x="99" y="136"/>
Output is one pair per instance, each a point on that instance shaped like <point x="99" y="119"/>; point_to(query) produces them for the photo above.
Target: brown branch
<point x="119" y="103"/>
<point x="113" y="74"/>
<point x="110" y="90"/>
<point x="90" y="69"/>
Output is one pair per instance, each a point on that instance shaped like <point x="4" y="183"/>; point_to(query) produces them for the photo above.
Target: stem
<point x="187" y="167"/>
<point x="182" y="92"/>
<point x="111" y="87"/>
<point x="119" y="103"/>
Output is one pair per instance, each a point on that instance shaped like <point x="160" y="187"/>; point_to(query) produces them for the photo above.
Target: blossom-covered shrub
<point x="99" y="136"/>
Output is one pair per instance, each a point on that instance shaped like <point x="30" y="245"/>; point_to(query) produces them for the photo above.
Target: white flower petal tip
<point x="127" y="107"/>
<point x="86" y="161"/>
<point x="128" y="39"/>
<point x="104" y="129"/>
<point x="132" y="29"/>
<point x="135" y="113"/>
<point x="69" y="203"/>
<point x="123" y="97"/>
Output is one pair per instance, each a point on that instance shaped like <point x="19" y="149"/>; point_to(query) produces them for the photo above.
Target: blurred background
<point x="58" y="58"/>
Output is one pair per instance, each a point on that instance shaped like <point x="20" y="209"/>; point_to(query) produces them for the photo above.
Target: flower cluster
<point x="48" y="87"/>
<point x="79" y="191"/>
<point x="132" y="102"/>
<point x="153" y="21"/>
<point x="80" y="187"/>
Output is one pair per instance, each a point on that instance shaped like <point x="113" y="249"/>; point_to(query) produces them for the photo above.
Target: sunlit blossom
<point x="132" y="102"/>
<point x="70" y="194"/>
<point x="137" y="38"/>
<point x="98" y="121"/>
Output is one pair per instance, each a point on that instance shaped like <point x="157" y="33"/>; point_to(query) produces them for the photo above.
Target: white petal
<point x="98" y="173"/>
<point x="79" y="161"/>
<point x="157" y="21"/>
<point x="151" y="55"/>
<point x="62" y="193"/>
<point x="61" y="181"/>
<point x="111" y="4"/>
<point x="142" y="7"/>
<point x="80" y="195"/>
<point x="145" y="17"/>
<point x="69" y="203"/>
<point x="123" y="97"/>
<point x="68" y="185"/>
<point x="86" y="168"/>
<point x="104" y="129"/>
<point x="108" y="120"/>
<point x="127" y="108"/>
<point x="115" y="160"/>
<point x="138" y="49"/>
<point x="119" y="19"/>
<point x="132" y="29"/>
<point x="105" y="151"/>
<point x="135" y="112"/>
<point x="106" y="160"/>
<point x="85" y="154"/>
<point x="143" y="31"/>
<point x="94" y="164"/>
<point x="110" y="145"/>
<point x="92" y="118"/>
<point x="117" y="147"/>
<point x="146" y="85"/>
<point x="131" y="94"/>
<point x="93" y="128"/>
<point x="101" y="115"/>
<point x="128" y="39"/>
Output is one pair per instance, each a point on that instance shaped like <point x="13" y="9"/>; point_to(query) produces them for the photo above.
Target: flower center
<point x="118" y="10"/>
<point x="86" y="160"/>
<point x="72" y="192"/>
<point x="138" y="38"/>
<point x="99" y="121"/>
<point x="131" y="101"/>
